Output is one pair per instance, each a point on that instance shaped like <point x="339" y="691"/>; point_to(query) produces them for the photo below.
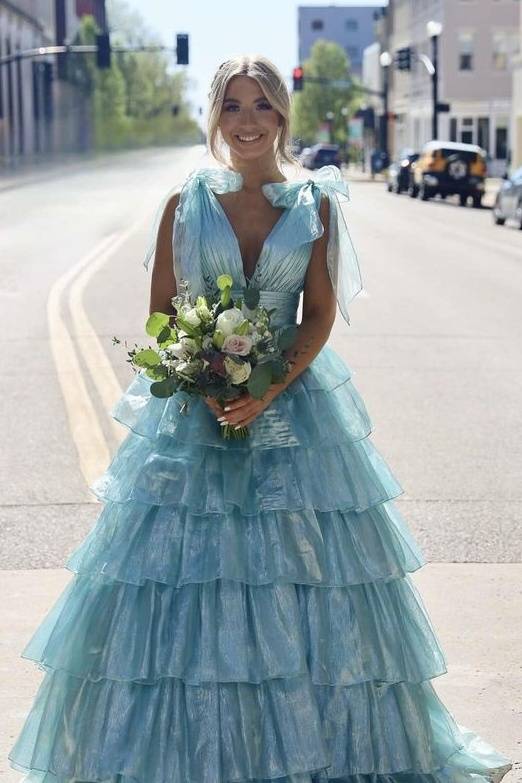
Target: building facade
<point x="40" y="114"/>
<point x="516" y="106"/>
<point x="350" y="26"/>
<point x="477" y="44"/>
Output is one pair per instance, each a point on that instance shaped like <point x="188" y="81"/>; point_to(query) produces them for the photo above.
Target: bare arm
<point x="163" y="281"/>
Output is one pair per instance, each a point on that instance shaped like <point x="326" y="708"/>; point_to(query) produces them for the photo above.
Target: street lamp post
<point x="434" y="29"/>
<point x="330" y="117"/>
<point x="385" y="60"/>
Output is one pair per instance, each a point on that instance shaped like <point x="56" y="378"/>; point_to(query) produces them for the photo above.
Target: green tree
<point x="310" y="107"/>
<point x="130" y="103"/>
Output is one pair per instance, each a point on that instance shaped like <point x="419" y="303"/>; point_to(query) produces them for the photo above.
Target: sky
<point x="220" y="29"/>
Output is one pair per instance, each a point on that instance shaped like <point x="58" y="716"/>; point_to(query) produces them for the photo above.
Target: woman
<point x="243" y="608"/>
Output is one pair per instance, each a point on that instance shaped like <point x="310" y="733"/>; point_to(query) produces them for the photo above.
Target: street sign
<point x="443" y="107"/>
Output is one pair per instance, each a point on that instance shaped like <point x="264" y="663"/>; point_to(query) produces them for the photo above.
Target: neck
<point x="256" y="173"/>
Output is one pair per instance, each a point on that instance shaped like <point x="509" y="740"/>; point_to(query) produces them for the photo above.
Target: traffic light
<point x="103" y="50"/>
<point x="403" y="58"/>
<point x="298" y="76"/>
<point x="182" y="49"/>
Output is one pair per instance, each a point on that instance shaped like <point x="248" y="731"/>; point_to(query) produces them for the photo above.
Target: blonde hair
<point x="272" y="83"/>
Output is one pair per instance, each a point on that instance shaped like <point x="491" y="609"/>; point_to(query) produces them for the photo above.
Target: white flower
<point x="228" y="320"/>
<point x="207" y="342"/>
<point x="191" y="317"/>
<point x="176" y="349"/>
<point x="238" y="373"/>
<point x="238" y="344"/>
<point x="188" y="368"/>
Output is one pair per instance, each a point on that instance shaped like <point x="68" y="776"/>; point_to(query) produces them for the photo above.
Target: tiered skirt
<point x="243" y="610"/>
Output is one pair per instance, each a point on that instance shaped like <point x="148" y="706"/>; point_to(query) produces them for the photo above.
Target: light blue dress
<point x="243" y="610"/>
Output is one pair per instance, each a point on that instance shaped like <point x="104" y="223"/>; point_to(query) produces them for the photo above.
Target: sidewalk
<point x="475" y="609"/>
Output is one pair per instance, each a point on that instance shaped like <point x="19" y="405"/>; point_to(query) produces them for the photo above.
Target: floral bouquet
<point x="218" y="348"/>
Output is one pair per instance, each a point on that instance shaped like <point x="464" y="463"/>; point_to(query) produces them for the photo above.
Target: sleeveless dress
<point x="243" y="610"/>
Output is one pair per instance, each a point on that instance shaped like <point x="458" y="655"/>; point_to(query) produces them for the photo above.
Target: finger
<point x="237" y="404"/>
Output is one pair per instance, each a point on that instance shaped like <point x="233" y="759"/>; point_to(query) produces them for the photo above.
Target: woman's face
<point x="248" y="122"/>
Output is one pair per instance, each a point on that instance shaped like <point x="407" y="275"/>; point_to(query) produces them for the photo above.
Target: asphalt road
<point x="435" y="344"/>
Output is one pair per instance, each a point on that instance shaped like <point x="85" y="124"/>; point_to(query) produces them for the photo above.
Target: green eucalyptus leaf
<point x="157" y="373"/>
<point x="164" y="388"/>
<point x="155" y="323"/>
<point x="259" y="380"/>
<point x="286" y="337"/>
<point x="251" y="297"/>
<point x="147" y="357"/>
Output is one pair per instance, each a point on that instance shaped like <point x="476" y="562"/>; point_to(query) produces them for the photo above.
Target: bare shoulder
<point x="171" y="205"/>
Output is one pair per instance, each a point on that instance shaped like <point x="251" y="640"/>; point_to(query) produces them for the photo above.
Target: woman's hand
<point x="242" y="411"/>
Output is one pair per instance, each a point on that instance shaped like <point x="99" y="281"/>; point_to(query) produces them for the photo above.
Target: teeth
<point x="249" y="138"/>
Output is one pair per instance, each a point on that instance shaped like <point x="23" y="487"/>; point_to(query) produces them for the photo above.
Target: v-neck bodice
<point x="247" y="280"/>
<point x="205" y="244"/>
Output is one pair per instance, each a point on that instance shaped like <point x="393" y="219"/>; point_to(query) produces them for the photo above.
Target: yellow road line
<point x="84" y="425"/>
<point x="88" y="342"/>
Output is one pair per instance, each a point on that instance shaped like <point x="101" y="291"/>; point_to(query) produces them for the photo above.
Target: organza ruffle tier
<point x="320" y="407"/>
<point x="132" y="542"/>
<point x="243" y="611"/>
<point x="226" y="631"/>
<point x="168" y="730"/>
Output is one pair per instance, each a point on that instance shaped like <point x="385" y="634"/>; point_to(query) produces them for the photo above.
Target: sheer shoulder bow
<point x="342" y="261"/>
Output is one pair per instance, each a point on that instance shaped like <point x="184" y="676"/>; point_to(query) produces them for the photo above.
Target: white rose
<point x="191" y="317"/>
<point x="238" y="344"/>
<point x="238" y="373"/>
<point x="228" y="320"/>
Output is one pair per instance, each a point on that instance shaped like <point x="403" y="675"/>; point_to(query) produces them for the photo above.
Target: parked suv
<point x="321" y="155"/>
<point x="448" y="168"/>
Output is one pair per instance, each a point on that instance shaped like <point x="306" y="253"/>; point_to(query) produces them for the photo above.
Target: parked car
<point x="400" y="172"/>
<point x="448" y="168"/>
<point x="321" y="155"/>
<point x="508" y="202"/>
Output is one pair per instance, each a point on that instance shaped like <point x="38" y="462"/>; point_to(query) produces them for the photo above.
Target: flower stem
<point x="229" y="432"/>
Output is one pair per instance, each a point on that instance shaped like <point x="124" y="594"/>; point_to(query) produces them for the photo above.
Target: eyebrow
<point x="235" y="100"/>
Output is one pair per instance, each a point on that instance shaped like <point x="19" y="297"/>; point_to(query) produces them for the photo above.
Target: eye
<point x="264" y="105"/>
<point x="230" y="107"/>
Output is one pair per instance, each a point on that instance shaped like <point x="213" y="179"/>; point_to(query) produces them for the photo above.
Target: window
<point x="465" y="51"/>
<point x="453" y="129"/>
<point x="317" y="24"/>
<point x="505" y="45"/>
<point x="501" y="143"/>
<point x="483" y="133"/>
<point x="352" y="25"/>
<point x="352" y="52"/>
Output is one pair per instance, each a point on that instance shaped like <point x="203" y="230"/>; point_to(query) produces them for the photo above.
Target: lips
<point x="249" y="139"/>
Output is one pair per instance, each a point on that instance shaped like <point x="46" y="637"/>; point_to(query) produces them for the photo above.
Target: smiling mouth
<point x="251" y="139"/>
